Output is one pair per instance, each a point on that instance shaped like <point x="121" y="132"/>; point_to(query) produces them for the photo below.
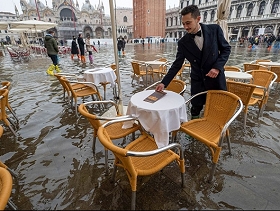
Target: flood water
<point x="57" y="169"/>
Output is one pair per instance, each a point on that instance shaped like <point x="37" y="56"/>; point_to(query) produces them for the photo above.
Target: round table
<point x="159" y="118"/>
<point x="238" y="75"/>
<point x="101" y="75"/>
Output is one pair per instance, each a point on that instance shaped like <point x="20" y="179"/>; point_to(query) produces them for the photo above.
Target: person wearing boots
<point x="82" y="48"/>
<point x="52" y="51"/>
<point x="89" y="48"/>
<point x="74" y="49"/>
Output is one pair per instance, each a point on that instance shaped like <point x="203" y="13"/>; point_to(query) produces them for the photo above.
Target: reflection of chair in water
<point x="245" y="92"/>
<point x="141" y="157"/>
<point x="263" y="80"/>
<point x="175" y="85"/>
<point x="221" y="108"/>
<point x="115" y="131"/>
<point x="139" y="70"/>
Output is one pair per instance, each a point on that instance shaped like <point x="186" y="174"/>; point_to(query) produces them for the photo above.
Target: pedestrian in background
<point x="119" y="45"/>
<point x="74" y="49"/>
<point x="81" y="44"/>
<point x="89" y="48"/>
<point x="207" y="50"/>
<point x="123" y="46"/>
<point x="52" y="50"/>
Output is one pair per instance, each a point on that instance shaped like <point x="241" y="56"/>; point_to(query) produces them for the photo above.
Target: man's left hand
<point x="213" y="73"/>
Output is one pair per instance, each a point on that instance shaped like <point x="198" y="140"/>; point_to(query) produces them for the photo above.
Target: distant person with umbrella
<point x="52" y="50"/>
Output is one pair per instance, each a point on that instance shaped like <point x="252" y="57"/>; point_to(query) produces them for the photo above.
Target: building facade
<point x="247" y="17"/>
<point x="124" y="21"/>
<point x="149" y="18"/>
<point x="90" y="20"/>
<point x="5" y="35"/>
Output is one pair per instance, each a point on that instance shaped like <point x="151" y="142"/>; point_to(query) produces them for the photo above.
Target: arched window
<point x="275" y="6"/>
<point x="261" y="9"/>
<point x="239" y="10"/>
<point x="250" y="9"/>
<point x="212" y="15"/>
<point x="205" y="16"/>
<point x="124" y="19"/>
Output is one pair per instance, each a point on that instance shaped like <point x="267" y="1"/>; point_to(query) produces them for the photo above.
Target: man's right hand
<point x="160" y="87"/>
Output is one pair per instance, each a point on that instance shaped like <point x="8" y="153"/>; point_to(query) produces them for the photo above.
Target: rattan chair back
<point x="177" y="86"/>
<point x="232" y="68"/>
<point x="245" y="92"/>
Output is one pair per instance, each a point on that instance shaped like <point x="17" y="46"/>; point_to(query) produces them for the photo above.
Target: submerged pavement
<point x="58" y="170"/>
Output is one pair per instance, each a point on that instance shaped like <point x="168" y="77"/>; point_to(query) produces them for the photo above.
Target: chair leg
<point x="212" y="172"/>
<point x="106" y="162"/>
<point x="245" y="120"/>
<point x="133" y="200"/>
<point x="12" y="205"/>
<point x="183" y="180"/>
<point x="114" y="173"/>
<point x="93" y="144"/>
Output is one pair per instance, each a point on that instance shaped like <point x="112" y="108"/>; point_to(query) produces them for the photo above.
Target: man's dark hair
<point x="193" y="9"/>
<point x="50" y="31"/>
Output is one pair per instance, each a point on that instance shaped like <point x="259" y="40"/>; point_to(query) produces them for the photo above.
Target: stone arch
<point x="99" y="33"/>
<point x="67" y="14"/>
<point x="88" y="31"/>
<point x="245" y="31"/>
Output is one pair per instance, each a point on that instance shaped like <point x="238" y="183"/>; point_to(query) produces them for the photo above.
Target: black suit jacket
<point x="215" y="53"/>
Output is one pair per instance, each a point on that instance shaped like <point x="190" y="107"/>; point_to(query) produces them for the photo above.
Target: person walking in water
<point x="89" y="48"/>
<point x="82" y="48"/>
<point x="123" y="46"/>
<point x="119" y="45"/>
<point x="74" y="49"/>
<point x="52" y="51"/>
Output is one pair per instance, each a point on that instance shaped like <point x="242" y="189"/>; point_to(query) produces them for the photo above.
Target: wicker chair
<point x="141" y="157"/>
<point x="248" y="66"/>
<point x="138" y="70"/>
<point x="232" y="68"/>
<point x="276" y="70"/>
<point x="75" y="86"/>
<point x="115" y="131"/>
<point x="3" y="115"/>
<point x="175" y="85"/>
<point x="220" y="110"/>
<point x="263" y="80"/>
<point x="81" y="93"/>
<point x="6" y="85"/>
<point x="245" y="92"/>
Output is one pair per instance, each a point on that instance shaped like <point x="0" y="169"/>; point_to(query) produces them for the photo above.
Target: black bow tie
<point x="196" y="34"/>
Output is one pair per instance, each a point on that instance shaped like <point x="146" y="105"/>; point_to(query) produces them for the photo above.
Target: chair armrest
<point x="155" y="151"/>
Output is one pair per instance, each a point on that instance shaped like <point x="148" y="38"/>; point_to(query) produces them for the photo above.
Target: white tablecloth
<point x="238" y="75"/>
<point x="160" y="117"/>
<point x="98" y="75"/>
<point x="269" y="64"/>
